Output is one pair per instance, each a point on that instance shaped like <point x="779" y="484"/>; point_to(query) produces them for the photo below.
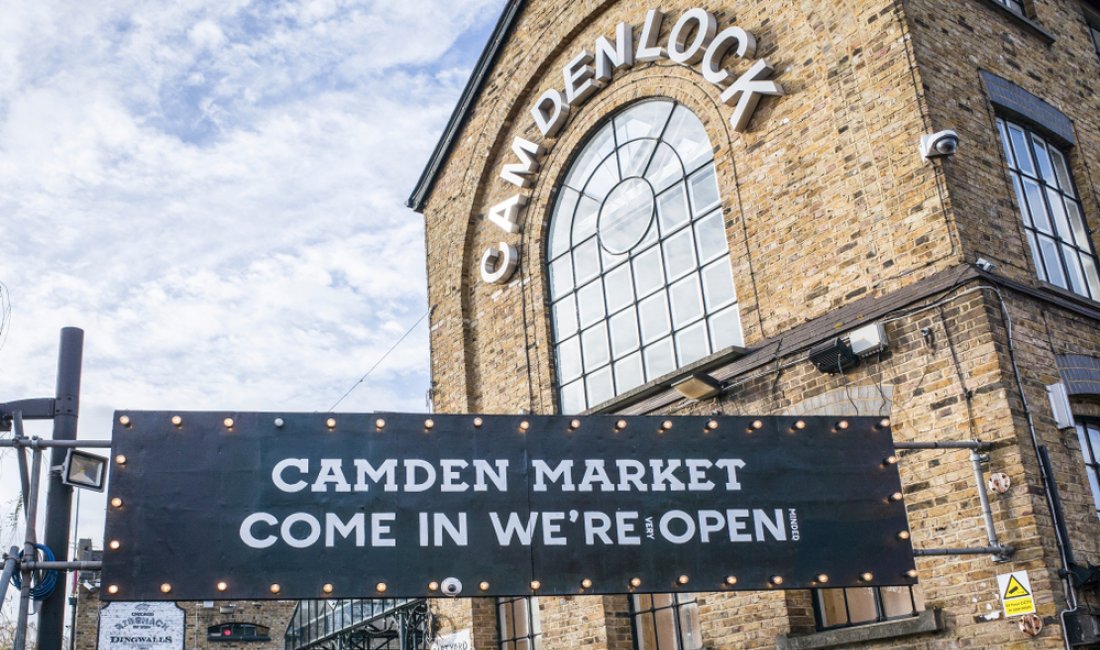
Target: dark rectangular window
<point x="835" y="608"/>
<point x="237" y="632"/>
<point x="1016" y="6"/>
<point x="1054" y="221"/>
<point x="665" y="622"/>
<point x="518" y="623"/>
<point x="1088" y="432"/>
<point x="1094" y="31"/>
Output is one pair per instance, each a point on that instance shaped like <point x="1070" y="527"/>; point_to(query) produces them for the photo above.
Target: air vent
<point x="833" y="356"/>
<point x="1083" y="630"/>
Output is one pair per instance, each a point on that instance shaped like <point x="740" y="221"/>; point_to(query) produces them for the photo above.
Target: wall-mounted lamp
<point x="698" y="386"/>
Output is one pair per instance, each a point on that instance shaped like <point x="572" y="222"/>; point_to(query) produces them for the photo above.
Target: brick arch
<point x="474" y="185"/>
<point x="479" y="185"/>
<point x="658" y="80"/>
<point x="1080" y="374"/>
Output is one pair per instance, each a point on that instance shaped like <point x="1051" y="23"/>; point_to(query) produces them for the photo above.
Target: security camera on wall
<point x="451" y="587"/>
<point x="939" y="145"/>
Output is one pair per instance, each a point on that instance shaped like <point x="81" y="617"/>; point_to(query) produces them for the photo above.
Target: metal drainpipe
<point x="983" y="497"/>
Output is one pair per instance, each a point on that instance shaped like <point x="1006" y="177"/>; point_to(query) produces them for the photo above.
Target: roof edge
<point x="465" y="104"/>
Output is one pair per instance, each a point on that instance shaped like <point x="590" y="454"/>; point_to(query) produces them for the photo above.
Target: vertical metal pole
<point x="29" y="553"/>
<point x="9" y="569"/>
<point x="24" y="475"/>
<point x="51" y="616"/>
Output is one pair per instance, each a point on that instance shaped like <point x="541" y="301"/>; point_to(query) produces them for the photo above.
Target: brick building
<point x="222" y="625"/>
<point x="625" y="199"/>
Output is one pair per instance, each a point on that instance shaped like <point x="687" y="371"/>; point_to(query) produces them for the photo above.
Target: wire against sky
<point x="381" y="359"/>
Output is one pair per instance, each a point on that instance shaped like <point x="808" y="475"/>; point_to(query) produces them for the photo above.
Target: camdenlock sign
<point x="299" y="506"/>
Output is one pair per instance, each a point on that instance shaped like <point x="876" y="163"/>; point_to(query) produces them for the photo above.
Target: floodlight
<point x="84" y="470"/>
<point x="698" y="386"/>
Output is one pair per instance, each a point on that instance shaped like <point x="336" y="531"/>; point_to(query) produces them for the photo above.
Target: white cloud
<point x="214" y="192"/>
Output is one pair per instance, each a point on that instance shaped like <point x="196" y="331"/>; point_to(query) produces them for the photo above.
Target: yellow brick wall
<point x="826" y="201"/>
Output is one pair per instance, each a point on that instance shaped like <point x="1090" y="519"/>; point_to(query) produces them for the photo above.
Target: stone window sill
<point x="664" y="382"/>
<point x="1069" y="295"/>
<point x="924" y="622"/>
<point x="1028" y="23"/>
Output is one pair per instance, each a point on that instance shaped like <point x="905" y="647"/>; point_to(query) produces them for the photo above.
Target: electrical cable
<point x="5" y="314"/>
<point x="44" y="581"/>
<point x="380" y="359"/>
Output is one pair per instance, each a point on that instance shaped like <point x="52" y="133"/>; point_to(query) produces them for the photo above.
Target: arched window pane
<point x="639" y="263"/>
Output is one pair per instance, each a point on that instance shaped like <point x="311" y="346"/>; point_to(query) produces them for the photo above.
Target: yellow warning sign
<point x="1015" y="589"/>
<point x="1015" y="592"/>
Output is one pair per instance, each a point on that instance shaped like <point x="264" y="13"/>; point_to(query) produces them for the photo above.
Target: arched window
<point x="640" y="278"/>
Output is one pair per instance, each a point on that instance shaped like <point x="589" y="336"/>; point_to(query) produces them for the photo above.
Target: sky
<point x="214" y="191"/>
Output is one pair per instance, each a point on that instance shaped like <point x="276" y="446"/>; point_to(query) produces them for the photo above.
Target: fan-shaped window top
<point x="640" y="278"/>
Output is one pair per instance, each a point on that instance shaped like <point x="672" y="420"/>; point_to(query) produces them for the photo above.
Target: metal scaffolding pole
<point x="51" y="616"/>
<point x="29" y="551"/>
<point x="1000" y="552"/>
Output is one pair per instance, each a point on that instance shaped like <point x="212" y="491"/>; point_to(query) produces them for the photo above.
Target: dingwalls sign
<point x="296" y="506"/>
<point x="141" y="626"/>
<point x="694" y="40"/>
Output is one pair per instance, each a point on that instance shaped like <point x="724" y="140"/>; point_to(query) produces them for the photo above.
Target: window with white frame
<point x="834" y="608"/>
<point x="665" y="622"/>
<point x="1054" y="222"/>
<point x="1093" y="21"/>
<point x="639" y="268"/>
<point x="518" y="623"/>
<point x="1088" y="432"/>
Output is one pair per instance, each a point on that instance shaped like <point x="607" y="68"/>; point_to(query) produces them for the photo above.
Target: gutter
<point x="466" y="101"/>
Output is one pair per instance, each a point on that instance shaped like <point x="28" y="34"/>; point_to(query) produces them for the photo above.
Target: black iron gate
<point x="360" y="624"/>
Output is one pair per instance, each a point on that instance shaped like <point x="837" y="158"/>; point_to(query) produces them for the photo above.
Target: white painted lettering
<point x="246" y="530"/>
<point x="663" y="474"/>
<point x="331" y="472"/>
<point x="379" y="526"/>
<point x="578" y="75"/>
<point x="550" y="112"/>
<point x="677" y="515"/>
<point x="612" y="58"/>
<point x="451" y="481"/>
<point x="498" y="264"/>
<point x="520" y="173"/>
<point x="648" y="49"/>
<point x="514" y="528"/>
<point x="745" y="93"/>
<point x="731" y="465"/>
<point x="287" y="529"/>
<point x="719" y="47"/>
<point x="697" y="22"/>
<point x="499" y="477"/>
<point x="506" y="214"/>
<point x="631" y="473"/>
<point x="563" y="472"/>
<point x="411" y="482"/>
<point x="594" y="472"/>
<point x="334" y="527"/>
<point x="596" y="524"/>
<point x="384" y="473"/>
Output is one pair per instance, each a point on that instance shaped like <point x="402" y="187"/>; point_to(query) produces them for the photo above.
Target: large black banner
<point x="296" y="506"/>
